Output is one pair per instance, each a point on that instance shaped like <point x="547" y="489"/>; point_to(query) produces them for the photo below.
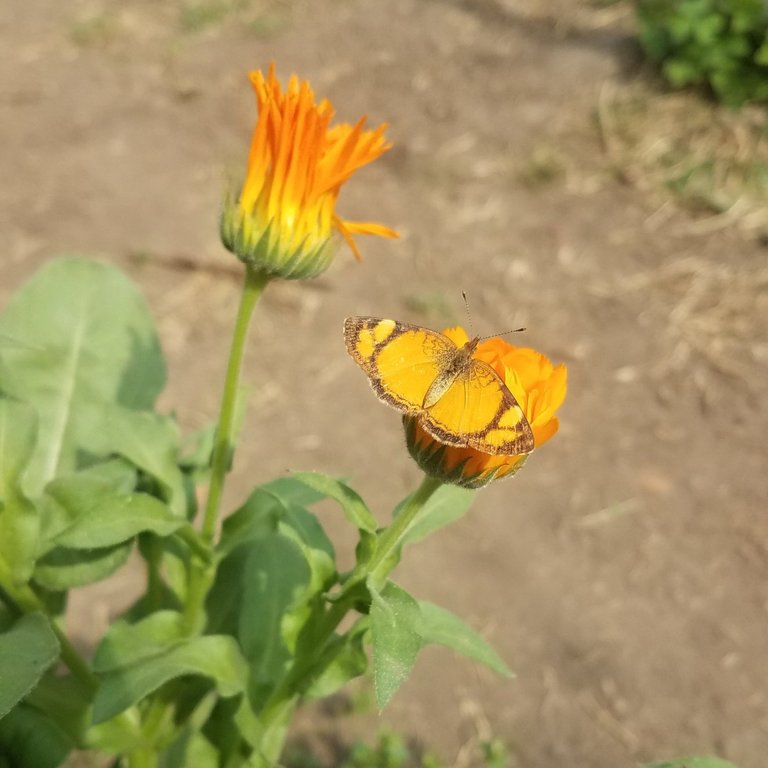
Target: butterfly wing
<point x="478" y="411"/>
<point x="401" y="360"/>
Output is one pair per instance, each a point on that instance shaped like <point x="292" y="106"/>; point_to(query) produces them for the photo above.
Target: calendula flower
<point x="283" y="221"/>
<point x="539" y="388"/>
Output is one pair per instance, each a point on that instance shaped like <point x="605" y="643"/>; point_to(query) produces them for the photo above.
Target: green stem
<point x="194" y="541"/>
<point x="154" y="549"/>
<point x="202" y="572"/>
<point x="391" y="536"/>
<point x="281" y="703"/>
<point x="158" y="716"/>
<point x="77" y="665"/>
<point x="253" y="287"/>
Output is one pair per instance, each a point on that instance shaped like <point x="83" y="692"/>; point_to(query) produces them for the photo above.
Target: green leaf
<point x="114" y="736"/>
<point x="19" y="520"/>
<point x="256" y="519"/>
<point x="693" y="762"/>
<point x="8" y="341"/>
<point x="446" y="504"/>
<point x="227" y="727"/>
<point x="115" y="476"/>
<point x="442" y="627"/>
<point x="100" y="515"/>
<point x="349" y="661"/>
<point x="274" y="580"/>
<point x="195" y="462"/>
<point x="197" y="450"/>
<point x="190" y="748"/>
<point x="18" y="430"/>
<point x="292" y="490"/>
<point x="401" y="626"/>
<point x="761" y="55"/>
<point x="102" y="523"/>
<point x="65" y="701"/>
<point x="29" y="737"/>
<point x="150" y="442"/>
<point x="268" y="504"/>
<point x="125" y="644"/>
<point x="27" y="649"/>
<point x="395" y="621"/>
<point x="63" y="569"/>
<point x="351" y="504"/>
<point x="7" y="616"/>
<point x="214" y="656"/>
<point x="85" y="339"/>
<point x="303" y="528"/>
<point x="707" y="29"/>
<point x="680" y="72"/>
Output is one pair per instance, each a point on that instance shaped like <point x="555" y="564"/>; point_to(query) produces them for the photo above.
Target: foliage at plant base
<point x="190" y="675"/>
<point x="722" y="44"/>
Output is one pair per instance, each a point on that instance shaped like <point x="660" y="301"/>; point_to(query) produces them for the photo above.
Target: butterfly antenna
<point x="493" y="335"/>
<point x="469" y="314"/>
<point x="504" y="333"/>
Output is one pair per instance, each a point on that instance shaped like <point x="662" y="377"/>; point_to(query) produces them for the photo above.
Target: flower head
<point x="283" y="220"/>
<point x="539" y="388"/>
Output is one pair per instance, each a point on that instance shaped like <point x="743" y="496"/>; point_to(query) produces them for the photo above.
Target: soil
<point x="624" y="573"/>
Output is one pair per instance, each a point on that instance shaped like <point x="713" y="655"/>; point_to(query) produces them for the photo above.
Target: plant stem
<point x="154" y="551"/>
<point x="202" y="572"/>
<point x="224" y="446"/>
<point x="280" y="705"/>
<point x="391" y="536"/>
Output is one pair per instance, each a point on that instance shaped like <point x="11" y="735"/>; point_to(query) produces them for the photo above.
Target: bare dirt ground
<point x="624" y="573"/>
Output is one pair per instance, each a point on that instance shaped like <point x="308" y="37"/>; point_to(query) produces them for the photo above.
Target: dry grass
<point x="681" y="147"/>
<point x="715" y="314"/>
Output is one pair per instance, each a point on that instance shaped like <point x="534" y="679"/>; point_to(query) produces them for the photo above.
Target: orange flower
<point x="284" y="218"/>
<point x="539" y="388"/>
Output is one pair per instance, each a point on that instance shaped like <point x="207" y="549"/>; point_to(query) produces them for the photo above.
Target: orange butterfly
<point x="458" y="400"/>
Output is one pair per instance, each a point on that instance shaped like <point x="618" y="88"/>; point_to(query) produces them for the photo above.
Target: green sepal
<point x="432" y="460"/>
<point x="260" y="248"/>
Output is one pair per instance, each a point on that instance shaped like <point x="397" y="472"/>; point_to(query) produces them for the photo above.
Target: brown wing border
<point x="352" y="328"/>
<point x="523" y="442"/>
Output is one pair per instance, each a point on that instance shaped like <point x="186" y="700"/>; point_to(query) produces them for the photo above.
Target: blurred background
<point x="545" y="167"/>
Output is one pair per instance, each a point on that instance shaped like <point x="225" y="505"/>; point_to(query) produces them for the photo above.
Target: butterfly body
<point x="453" y="364"/>
<point x="457" y="399"/>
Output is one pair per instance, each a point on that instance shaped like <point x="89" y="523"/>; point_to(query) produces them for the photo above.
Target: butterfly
<point x="458" y="400"/>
